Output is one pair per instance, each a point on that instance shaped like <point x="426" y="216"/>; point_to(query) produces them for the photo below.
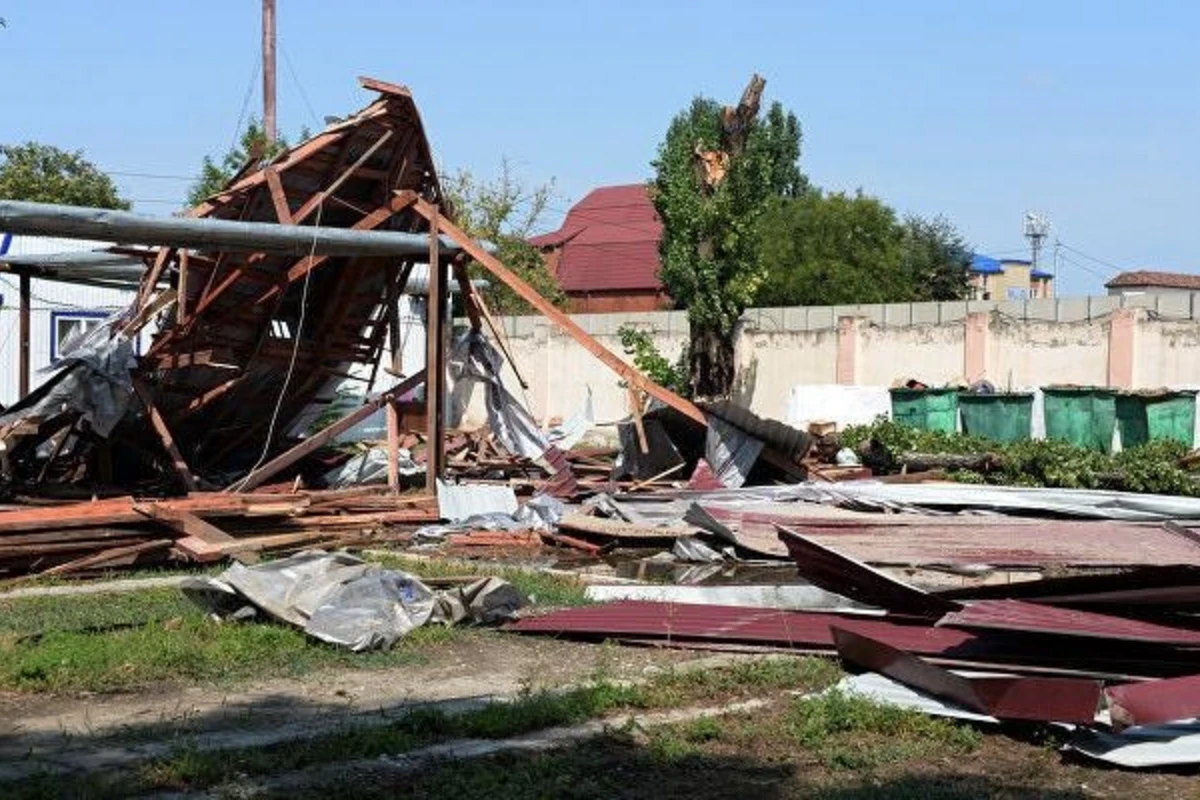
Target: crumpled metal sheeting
<point x="93" y="379"/>
<point x="540" y="513"/>
<point x="730" y="451"/>
<point x="371" y="466"/>
<point x="345" y="601"/>
<point x="474" y="360"/>
<point x="1087" y="503"/>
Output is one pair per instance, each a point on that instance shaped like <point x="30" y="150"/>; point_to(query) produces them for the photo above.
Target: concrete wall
<point x="1132" y="342"/>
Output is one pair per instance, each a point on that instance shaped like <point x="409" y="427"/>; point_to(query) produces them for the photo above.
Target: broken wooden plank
<point x="317" y="440"/>
<point x="164" y="434"/>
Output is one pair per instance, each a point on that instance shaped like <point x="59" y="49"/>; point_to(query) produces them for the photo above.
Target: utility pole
<point x="268" y="55"/>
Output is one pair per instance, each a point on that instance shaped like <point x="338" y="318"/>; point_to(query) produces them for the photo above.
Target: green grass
<point x="532" y="711"/>
<point x="849" y="732"/>
<point x="127" y="640"/>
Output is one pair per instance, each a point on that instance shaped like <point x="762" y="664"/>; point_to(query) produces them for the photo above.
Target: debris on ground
<point x="1035" y="581"/>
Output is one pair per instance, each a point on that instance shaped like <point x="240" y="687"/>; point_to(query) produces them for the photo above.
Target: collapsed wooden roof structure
<point x="253" y="330"/>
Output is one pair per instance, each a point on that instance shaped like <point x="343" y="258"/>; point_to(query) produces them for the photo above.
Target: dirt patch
<point x="478" y="664"/>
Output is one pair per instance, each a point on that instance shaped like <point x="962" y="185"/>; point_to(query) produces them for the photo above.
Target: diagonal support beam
<point x="369" y="222"/>
<point x="164" y="434"/>
<point x="531" y="296"/>
<point x="284" y="460"/>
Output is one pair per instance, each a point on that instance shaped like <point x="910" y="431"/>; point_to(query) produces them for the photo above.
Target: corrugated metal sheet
<point x="835" y="572"/>
<point x="791" y="442"/>
<point x="920" y="540"/>
<point x="1019" y="616"/>
<point x="810" y="631"/>
<point x="1153" y="702"/>
<point x="1006" y="697"/>
<point x="459" y="501"/>
<point x="1084" y="503"/>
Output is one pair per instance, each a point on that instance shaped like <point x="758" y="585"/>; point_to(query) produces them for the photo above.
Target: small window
<point x="67" y="327"/>
<point x="1017" y="293"/>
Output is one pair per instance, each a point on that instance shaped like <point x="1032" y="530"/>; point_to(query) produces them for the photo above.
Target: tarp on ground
<point x="346" y="601"/>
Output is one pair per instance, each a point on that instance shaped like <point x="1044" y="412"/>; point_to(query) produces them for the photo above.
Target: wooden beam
<point x="435" y="361"/>
<point x="181" y="290"/>
<point x="151" y="278"/>
<point x="23" y="325"/>
<point x="201" y="540"/>
<point x="284" y="460"/>
<point x="313" y="202"/>
<point x="278" y="196"/>
<point x="531" y="296"/>
<point x="393" y="447"/>
<point x="309" y="263"/>
<point x="635" y="408"/>
<point x="164" y="435"/>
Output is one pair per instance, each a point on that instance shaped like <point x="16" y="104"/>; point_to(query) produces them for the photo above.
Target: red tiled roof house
<point x="605" y="255"/>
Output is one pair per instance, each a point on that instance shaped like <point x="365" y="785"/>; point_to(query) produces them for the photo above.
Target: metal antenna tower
<point x="1037" y="228"/>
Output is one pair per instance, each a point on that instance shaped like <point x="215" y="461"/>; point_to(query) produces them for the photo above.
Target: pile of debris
<point x="1085" y="615"/>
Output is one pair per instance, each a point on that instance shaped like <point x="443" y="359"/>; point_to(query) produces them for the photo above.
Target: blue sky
<point x="1086" y="111"/>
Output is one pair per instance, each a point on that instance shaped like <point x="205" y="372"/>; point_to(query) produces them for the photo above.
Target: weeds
<point x="848" y="732"/>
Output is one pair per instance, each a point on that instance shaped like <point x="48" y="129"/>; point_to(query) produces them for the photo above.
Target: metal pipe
<point x="124" y="227"/>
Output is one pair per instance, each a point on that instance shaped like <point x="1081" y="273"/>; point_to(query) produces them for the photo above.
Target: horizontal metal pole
<point x="124" y="227"/>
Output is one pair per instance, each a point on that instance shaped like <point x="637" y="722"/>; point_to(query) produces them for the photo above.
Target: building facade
<point x="1008" y="279"/>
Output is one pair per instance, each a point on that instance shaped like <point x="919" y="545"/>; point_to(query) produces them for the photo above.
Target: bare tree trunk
<point x="711" y="360"/>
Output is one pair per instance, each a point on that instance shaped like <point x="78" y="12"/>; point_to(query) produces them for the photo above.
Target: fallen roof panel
<point x="1153" y="702"/>
<point x="1019" y="616"/>
<point x="677" y="623"/>
<point x="835" y="572"/>
<point x="1005" y="697"/>
<point x="920" y="540"/>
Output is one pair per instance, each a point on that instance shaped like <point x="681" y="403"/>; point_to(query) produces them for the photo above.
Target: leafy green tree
<point x="936" y="259"/>
<point x="252" y="149"/>
<point x="505" y="212"/>
<point x="43" y="173"/>
<point x="718" y="171"/>
<point x="840" y="249"/>
<point x="827" y="249"/>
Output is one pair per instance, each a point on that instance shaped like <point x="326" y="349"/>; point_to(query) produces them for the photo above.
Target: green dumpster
<point x="1002" y="417"/>
<point x="926" y="409"/>
<point x="1082" y="415"/>
<point x="1147" y="416"/>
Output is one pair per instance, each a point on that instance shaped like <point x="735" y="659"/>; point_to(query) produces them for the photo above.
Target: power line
<point x="1101" y="261"/>
<point x="1080" y="265"/>
<point x="299" y="86"/>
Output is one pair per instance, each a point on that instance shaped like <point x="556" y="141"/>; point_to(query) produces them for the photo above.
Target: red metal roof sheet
<point x="1017" y="615"/>
<point x="834" y="572"/>
<point x="916" y="540"/>
<point x="1006" y="697"/>
<point x="1155" y="701"/>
